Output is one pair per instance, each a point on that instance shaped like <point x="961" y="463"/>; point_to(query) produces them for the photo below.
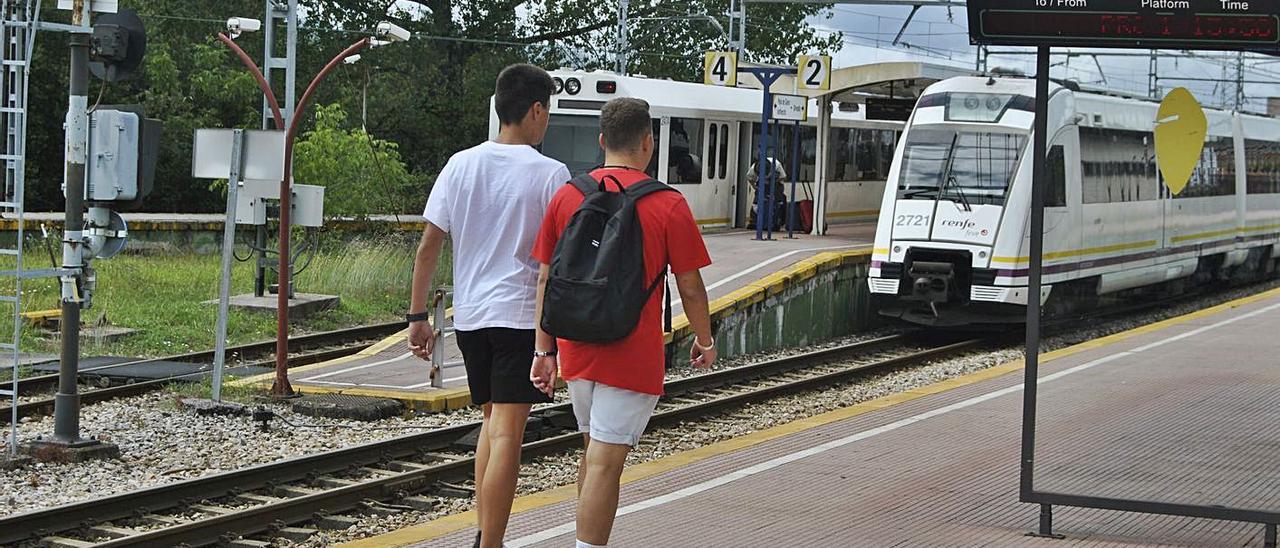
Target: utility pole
<point x="286" y="12"/>
<point x="1240" y="81"/>
<point x="621" y="58"/>
<point x="76" y="277"/>
<point x="1153" y="78"/>
<point x="738" y="27"/>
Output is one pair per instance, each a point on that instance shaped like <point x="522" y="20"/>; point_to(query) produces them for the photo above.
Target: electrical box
<point x="112" y="173"/>
<point x="307" y="206"/>
<point x="251" y="201"/>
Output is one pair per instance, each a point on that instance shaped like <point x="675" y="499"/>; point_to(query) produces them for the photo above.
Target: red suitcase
<point x="806" y="215"/>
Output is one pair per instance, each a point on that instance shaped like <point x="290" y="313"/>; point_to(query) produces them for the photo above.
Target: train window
<point x="683" y="165"/>
<point x="966" y="167"/>
<point x="575" y="141"/>
<point x="1056" y="195"/>
<point x="1215" y="175"/>
<point x="724" y="151"/>
<point x="712" y="148"/>
<point x="652" y="169"/>
<point x="1262" y="166"/>
<point x="1117" y="166"/>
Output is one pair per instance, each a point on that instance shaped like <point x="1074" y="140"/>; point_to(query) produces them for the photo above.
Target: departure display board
<point x="1181" y="24"/>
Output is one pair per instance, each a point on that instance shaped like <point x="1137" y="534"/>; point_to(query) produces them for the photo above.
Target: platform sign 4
<point x="813" y="72"/>
<point x="720" y="68"/>
<point x="1182" y="24"/>
<point x="791" y="108"/>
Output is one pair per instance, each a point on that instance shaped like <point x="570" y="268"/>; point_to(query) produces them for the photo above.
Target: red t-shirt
<point x="671" y="236"/>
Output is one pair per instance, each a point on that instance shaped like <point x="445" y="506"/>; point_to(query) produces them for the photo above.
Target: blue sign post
<point x="767" y="76"/>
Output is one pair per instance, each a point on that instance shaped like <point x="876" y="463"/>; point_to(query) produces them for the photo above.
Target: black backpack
<point x="597" y="286"/>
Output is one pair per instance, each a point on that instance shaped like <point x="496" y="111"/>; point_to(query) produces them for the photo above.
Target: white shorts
<point x="609" y="414"/>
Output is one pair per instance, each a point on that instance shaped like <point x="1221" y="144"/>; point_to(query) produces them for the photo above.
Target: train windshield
<point x="574" y="140"/>
<point x="966" y="167"/>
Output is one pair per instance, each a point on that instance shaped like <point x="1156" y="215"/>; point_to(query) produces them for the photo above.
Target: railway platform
<point x="1184" y="411"/>
<point x="746" y="277"/>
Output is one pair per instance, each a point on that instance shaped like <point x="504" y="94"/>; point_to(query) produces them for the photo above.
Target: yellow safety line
<point x="457" y="522"/>
<point x="717" y="221"/>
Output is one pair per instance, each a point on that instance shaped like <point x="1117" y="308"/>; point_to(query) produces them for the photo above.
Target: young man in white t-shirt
<point x="491" y="198"/>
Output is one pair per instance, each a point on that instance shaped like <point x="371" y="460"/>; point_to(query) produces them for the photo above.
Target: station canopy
<point x="897" y="79"/>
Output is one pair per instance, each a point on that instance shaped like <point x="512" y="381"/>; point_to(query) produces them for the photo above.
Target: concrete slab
<point x="338" y="406"/>
<point x="1155" y="413"/>
<point x="300" y="306"/>
<point x="389" y="370"/>
<point x="82" y="451"/>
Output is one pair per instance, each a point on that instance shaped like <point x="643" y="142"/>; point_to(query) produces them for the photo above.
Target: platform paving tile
<point x="952" y="479"/>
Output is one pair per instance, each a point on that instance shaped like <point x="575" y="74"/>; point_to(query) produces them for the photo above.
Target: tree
<point x="362" y="176"/>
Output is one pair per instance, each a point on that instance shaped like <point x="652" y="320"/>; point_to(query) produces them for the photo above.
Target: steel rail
<point x="301" y="342"/>
<point x="301" y="508"/>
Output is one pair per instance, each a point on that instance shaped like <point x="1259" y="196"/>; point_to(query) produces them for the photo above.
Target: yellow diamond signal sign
<point x="1181" y="129"/>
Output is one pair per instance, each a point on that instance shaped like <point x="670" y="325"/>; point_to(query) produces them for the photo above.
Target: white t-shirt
<point x="491" y="198"/>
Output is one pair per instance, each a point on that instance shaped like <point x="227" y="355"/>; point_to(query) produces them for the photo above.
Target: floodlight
<point x="352" y="60"/>
<point x="238" y="25"/>
<point x="392" y="32"/>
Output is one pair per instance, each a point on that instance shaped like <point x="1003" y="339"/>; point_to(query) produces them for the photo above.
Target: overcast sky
<point x="936" y="35"/>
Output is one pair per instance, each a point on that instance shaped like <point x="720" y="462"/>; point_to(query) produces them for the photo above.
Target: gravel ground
<point x="157" y="446"/>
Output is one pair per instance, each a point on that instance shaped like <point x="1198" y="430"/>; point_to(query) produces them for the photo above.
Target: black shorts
<point x="497" y="361"/>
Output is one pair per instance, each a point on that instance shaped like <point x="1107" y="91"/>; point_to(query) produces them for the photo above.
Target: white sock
<point x="581" y="544"/>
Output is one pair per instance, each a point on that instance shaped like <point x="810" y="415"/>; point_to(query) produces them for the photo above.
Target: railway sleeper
<point x="334" y="483"/>
<point x="420" y="503"/>
<point x="295" y="534"/>
<point x="257" y="499"/>
<point x="335" y="522"/>
<point x="64" y="542"/>
<point x="111" y="531"/>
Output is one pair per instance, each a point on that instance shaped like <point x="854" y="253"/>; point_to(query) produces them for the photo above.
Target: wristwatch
<point x="419" y="317"/>
<point x="544" y="354"/>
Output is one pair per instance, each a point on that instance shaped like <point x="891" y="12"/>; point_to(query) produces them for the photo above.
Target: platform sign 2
<point x="720" y="68"/>
<point x="1182" y="24"/>
<point x="813" y="73"/>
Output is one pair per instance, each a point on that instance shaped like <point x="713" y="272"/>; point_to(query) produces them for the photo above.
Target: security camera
<point x="238" y="25"/>
<point x="352" y="60"/>
<point x="392" y="32"/>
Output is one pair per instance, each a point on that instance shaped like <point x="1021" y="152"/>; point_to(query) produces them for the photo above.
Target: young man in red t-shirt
<point x="614" y="387"/>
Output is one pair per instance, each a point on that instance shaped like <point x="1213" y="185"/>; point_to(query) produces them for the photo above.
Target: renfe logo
<point x="958" y="223"/>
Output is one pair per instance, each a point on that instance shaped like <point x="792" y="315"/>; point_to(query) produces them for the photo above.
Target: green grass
<point x="164" y="296"/>
<point x="203" y="390"/>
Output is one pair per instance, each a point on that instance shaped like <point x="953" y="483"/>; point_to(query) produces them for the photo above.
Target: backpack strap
<point x="647" y="187"/>
<point x="586" y="184"/>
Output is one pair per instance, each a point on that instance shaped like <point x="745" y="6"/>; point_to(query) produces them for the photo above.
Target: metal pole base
<point x="81" y="450"/>
<point x="1046" y="524"/>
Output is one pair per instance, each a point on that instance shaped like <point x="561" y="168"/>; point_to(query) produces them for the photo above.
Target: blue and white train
<point x="952" y="242"/>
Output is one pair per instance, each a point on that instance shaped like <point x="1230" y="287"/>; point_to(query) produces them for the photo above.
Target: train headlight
<point x="977" y="107"/>
<point x="572" y="86"/>
<point x="559" y="85"/>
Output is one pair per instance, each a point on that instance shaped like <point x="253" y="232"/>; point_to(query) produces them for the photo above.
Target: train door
<point x="746" y="143"/>
<point x="1063" y="209"/>
<point x="719" y="159"/>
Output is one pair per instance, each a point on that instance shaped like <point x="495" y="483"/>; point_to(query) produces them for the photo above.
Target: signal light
<point x="572" y="86"/>
<point x="559" y="85"/>
<point x="606" y="86"/>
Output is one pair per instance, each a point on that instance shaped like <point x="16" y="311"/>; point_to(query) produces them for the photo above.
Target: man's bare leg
<point x="598" y="496"/>
<point x="482" y="457"/>
<point x="505" y="433"/>
<point x="582" y="462"/>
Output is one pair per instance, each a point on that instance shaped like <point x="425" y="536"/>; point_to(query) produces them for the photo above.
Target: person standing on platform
<point x="614" y="386"/>
<point x="491" y="198"/>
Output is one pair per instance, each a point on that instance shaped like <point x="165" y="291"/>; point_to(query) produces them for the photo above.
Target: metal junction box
<point x="114" y="138"/>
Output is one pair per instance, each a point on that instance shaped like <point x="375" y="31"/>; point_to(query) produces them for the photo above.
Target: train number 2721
<point x="912" y="220"/>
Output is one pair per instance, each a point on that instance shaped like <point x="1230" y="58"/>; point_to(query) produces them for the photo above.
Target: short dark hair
<point x="624" y="123"/>
<point x="519" y="87"/>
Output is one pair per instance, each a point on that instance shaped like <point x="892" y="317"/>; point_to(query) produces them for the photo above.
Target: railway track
<point x="323" y="346"/>
<point x="273" y="499"/>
